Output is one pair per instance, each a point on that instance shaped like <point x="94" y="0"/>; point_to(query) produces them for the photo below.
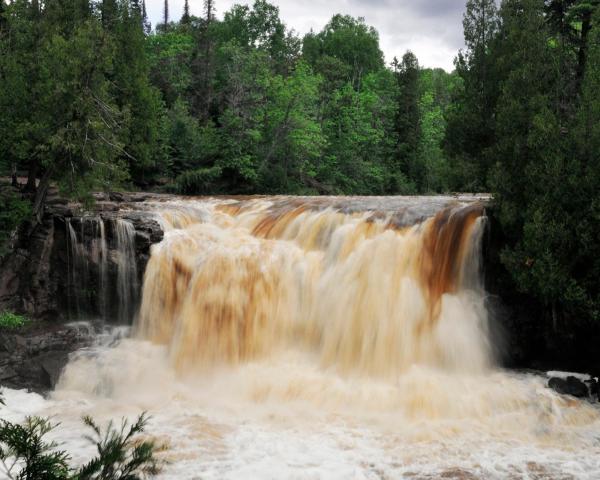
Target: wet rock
<point x="36" y="279"/>
<point x="35" y="357"/>
<point x="594" y="386"/>
<point x="51" y="366"/>
<point x="569" y="386"/>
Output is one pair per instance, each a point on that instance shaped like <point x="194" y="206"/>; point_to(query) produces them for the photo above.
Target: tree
<point x="169" y="57"/>
<point x="186" y="18"/>
<point x="292" y="140"/>
<point x="408" y="127"/>
<point x="435" y="95"/>
<point x="351" y="42"/>
<point x="166" y="15"/>
<point x="470" y="130"/>
<point x="139" y="102"/>
<point x="145" y="22"/>
<point x="61" y="123"/>
<point x="110" y="13"/>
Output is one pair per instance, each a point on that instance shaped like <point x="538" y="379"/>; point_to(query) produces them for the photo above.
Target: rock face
<point x="34" y="358"/>
<point x="69" y="266"/>
<point x="75" y="264"/>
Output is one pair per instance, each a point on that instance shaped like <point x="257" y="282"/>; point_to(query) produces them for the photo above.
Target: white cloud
<point x="432" y="29"/>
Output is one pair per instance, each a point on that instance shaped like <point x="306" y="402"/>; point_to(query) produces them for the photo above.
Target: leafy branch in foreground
<point x="25" y="455"/>
<point x="122" y="455"/>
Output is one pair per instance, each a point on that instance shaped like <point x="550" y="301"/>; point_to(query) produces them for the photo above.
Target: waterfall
<point x="73" y="271"/>
<point x="100" y="258"/>
<point x="363" y="292"/>
<point x="127" y="277"/>
<point x="89" y="257"/>
<point x="321" y="337"/>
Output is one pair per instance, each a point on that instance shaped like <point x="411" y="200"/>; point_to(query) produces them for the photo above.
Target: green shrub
<point x="197" y="182"/>
<point x="11" y="320"/>
<point x="121" y="454"/>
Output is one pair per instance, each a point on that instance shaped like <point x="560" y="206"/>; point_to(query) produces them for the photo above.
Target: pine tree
<point x="166" y="16"/>
<point x="209" y="13"/>
<point x="145" y="22"/>
<point x="185" y="18"/>
<point x="202" y="66"/>
<point x="137" y="99"/>
<point x="407" y="125"/>
<point x="471" y="121"/>
<point x="3" y="21"/>
<point x="110" y="14"/>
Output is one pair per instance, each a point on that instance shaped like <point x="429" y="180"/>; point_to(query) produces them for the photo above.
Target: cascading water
<point x="324" y="338"/>
<point x="127" y="277"/>
<point x="75" y="260"/>
<point x="357" y="290"/>
<point x="89" y="258"/>
<point x="101" y="256"/>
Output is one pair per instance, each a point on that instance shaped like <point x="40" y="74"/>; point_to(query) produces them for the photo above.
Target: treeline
<point x="525" y="125"/>
<point x="91" y="97"/>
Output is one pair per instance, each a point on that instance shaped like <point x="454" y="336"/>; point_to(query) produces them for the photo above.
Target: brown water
<point x="325" y="338"/>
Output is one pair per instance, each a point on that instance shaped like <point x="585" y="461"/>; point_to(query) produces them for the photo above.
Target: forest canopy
<point x="92" y="97"/>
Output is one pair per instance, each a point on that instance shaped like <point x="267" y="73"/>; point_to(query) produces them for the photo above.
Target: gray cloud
<point x="432" y="29"/>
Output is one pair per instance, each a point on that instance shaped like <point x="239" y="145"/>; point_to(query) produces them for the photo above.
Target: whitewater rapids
<point x="286" y="338"/>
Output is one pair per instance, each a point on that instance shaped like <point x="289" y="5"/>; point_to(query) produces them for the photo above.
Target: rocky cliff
<point x="71" y="264"/>
<point x="77" y="263"/>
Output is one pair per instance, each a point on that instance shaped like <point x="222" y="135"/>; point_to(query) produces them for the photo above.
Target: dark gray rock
<point x="569" y="386"/>
<point x="35" y="357"/>
<point x="36" y="277"/>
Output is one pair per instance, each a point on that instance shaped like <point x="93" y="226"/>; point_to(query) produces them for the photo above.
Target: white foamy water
<point x="329" y="338"/>
<point x="287" y="417"/>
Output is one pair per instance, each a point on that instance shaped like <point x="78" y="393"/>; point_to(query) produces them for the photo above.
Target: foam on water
<point x="287" y="417"/>
<point x="324" y="338"/>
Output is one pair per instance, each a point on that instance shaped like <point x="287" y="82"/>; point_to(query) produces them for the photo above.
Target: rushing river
<point x="321" y="338"/>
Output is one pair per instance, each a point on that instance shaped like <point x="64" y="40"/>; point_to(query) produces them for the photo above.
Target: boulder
<point x="569" y="386"/>
<point x="34" y="358"/>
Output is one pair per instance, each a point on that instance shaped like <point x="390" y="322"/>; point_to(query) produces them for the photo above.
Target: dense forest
<point x="92" y="97"/>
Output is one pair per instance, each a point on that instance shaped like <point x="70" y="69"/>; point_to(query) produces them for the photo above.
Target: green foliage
<point x="351" y="42"/>
<point x="198" y="182"/>
<point x="121" y="454"/>
<point x="25" y="454"/>
<point x="547" y="164"/>
<point x="241" y="105"/>
<point x="9" y="320"/>
<point x="471" y="118"/>
<point x="15" y="210"/>
<point x="408" y="124"/>
<point x="169" y="63"/>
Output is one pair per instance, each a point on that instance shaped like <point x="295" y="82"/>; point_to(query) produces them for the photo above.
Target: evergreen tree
<point x="186" y="18"/>
<point x="202" y="66"/>
<point x="110" y="14"/>
<point x="407" y="164"/>
<point x="165" y="24"/>
<point x="138" y="101"/>
<point x="470" y="129"/>
<point x="145" y="21"/>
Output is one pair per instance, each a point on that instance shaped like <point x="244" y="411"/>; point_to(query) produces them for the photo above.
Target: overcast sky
<point x="432" y="29"/>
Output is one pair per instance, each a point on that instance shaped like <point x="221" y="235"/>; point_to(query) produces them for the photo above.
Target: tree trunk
<point x="14" y="182"/>
<point x="586" y="26"/>
<point x="32" y="176"/>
